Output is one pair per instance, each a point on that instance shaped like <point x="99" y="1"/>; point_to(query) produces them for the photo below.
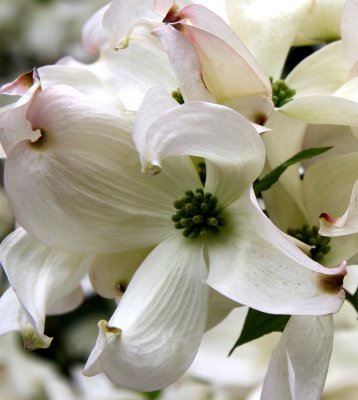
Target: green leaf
<point x="272" y="177"/>
<point x="152" y="395"/>
<point x="257" y="324"/>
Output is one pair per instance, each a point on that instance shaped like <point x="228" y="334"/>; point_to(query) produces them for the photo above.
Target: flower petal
<point x="186" y="64"/>
<point x="322" y="23"/>
<point x="332" y="109"/>
<point x="110" y="274"/>
<point x="254" y="264"/>
<point x="14" y="318"/>
<point x="93" y="34"/>
<point x="231" y="145"/>
<point x="121" y="17"/>
<point x="155" y="332"/>
<point x="80" y="78"/>
<point x="349" y="30"/>
<point x="323" y="72"/>
<point x="344" y="225"/>
<point x="40" y="275"/>
<point x="132" y="71"/>
<point x="327" y="190"/>
<point x="213" y="40"/>
<point x="284" y="141"/>
<point x="87" y="169"/>
<point x="299" y="365"/>
<point x="67" y="303"/>
<point x="328" y="184"/>
<point x="221" y="77"/>
<point x="268" y="28"/>
<point x="14" y="126"/>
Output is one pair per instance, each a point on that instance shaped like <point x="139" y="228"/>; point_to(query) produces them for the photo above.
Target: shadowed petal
<point x="155" y="332"/>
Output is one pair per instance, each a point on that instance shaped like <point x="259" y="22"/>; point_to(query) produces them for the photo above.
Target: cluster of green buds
<point x="197" y="213"/>
<point x="310" y="236"/>
<point x="281" y="93"/>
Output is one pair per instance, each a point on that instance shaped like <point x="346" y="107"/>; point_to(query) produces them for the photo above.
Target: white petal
<point x="299" y="365"/>
<point x="344" y="225"/>
<point x="132" y="71"/>
<point x="221" y="65"/>
<point x="80" y="78"/>
<point x="328" y="184"/>
<point x="185" y="63"/>
<point x="67" y="303"/>
<point x="254" y="264"/>
<point x="323" y="72"/>
<point x="111" y="273"/>
<point x="324" y="109"/>
<point x="322" y="22"/>
<point x="93" y="34"/>
<point x="121" y="17"/>
<point x="219" y="307"/>
<point x="282" y="208"/>
<point x="155" y="332"/>
<point x="88" y="170"/>
<point x="284" y="141"/>
<point x="233" y="149"/>
<point x="14" y="318"/>
<point x="221" y="52"/>
<point x="156" y="101"/>
<point x="268" y="28"/>
<point x="39" y="275"/>
<point x="14" y="126"/>
<point x="349" y="29"/>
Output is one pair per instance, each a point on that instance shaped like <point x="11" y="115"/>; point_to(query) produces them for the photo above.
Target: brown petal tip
<point x="328" y="218"/>
<point x="332" y="283"/>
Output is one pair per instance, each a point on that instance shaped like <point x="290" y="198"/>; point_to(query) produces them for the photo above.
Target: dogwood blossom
<point x="133" y="324"/>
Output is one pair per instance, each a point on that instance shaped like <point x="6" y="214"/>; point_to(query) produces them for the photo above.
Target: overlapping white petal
<point x="15" y="319"/>
<point x="268" y="28"/>
<point x="232" y="148"/>
<point x="344" y="225"/>
<point x="322" y="24"/>
<point x="122" y="17"/>
<point x="155" y="332"/>
<point x="349" y="30"/>
<point x="93" y="34"/>
<point x="105" y="204"/>
<point x="40" y="276"/>
<point x="340" y="108"/>
<point x="110" y="274"/>
<point x="13" y="125"/>
<point x="306" y="341"/>
<point x="186" y="64"/>
<point x="132" y="71"/>
<point x="79" y="77"/>
<point x="323" y="72"/>
<point x="254" y="261"/>
<point x="284" y="141"/>
<point x="208" y="22"/>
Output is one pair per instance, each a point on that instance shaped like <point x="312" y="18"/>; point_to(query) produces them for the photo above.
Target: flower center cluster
<point x="311" y="237"/>
<point x="281" y="93"/>
<point x="197" y="213"/>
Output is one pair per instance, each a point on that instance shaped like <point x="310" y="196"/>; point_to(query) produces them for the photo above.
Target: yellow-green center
<point x="197" y="214"/>
<point x="311" y="237"/>
<point x="281" y="93"/>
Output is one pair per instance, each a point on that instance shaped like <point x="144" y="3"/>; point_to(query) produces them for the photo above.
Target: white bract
<point x="205" y="53"/>
<point x="145" y="318"/>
